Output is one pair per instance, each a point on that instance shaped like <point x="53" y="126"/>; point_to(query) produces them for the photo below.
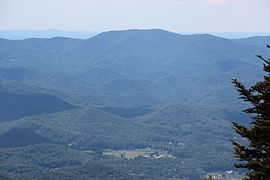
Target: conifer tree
<point x="255" y="156"/>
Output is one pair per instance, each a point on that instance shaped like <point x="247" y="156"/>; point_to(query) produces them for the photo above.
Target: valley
<point x="131" y="105"/>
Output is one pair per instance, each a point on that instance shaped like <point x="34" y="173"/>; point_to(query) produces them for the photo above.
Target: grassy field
<point x="130" y="154"/>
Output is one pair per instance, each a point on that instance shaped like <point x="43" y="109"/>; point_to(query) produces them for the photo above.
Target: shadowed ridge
<point x="16" y="137"/>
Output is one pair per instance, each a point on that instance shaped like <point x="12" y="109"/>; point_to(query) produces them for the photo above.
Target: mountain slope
<point x="15" y="106"/>
<point x="16" y="137"/>
<point x="40" y="156"/>
<point x="90" y="171"/>
<point x="96" y="131"/>
<point x="251" y="41"/>
<point x="18" y="101"/>
<point x="192" y="122"/>
<point x="93" y="129"/>
<point x="123" y="70"/>
<point x="170" y="64"/>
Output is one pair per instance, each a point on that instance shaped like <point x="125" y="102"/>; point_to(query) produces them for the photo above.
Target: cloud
<point x="241" y="1"/>
<point x="180" y="3"/>
<point x="217" y="1"/>
<point x="175" y="2"/>
<point x="110" y="1"/>
<point x="253" y="12"/>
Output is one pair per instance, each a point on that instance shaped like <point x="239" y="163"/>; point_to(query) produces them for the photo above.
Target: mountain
<point x="50" y="161"/>
<point x="251" y="41"/>
<point x="92" y="129"/>
<point x="89" y="171"/>
<point x="136" y="67"/>
<point x="162" y="92"/>
<point x="179" y="130"/>
<point x="179" y="115"/>
<point x="127" y="112"/>
<point x="239" y="35"/>
<point x="49" y="33"/>
<point x="193" y="123"/>
<point x="16" y="137"/>
<point x="16" y="104"/>
<point x="40" y="156"/>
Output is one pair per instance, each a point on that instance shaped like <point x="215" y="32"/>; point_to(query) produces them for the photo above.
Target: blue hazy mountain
<point x="257" y="40"/>
<point x="135" y="67"/>
<point x="96" y="131"/>
<point x="172" y="91"/>
<point x="17" y="102"/>
<point x="49" y="33"/>
<point x="24" y="34"/>
<point x="239" y="35"/>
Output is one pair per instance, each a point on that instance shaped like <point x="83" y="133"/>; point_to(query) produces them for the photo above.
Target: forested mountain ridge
<point x="97" y="131"/>
<point x="256" y="40"/>
<point x="166" y="95"/>
<point x="151" y="66"/>
<point x="18" y="101"/>
<point x="87" y="128"/>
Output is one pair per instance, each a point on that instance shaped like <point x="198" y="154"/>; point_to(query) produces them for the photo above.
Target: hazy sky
<point x="102" y="15"/>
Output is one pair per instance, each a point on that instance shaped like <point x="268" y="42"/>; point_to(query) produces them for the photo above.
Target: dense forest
<point x="136" y="104"/>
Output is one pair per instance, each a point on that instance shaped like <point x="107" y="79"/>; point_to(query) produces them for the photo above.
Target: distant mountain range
<point x="49" y="33"/>
<point x="24" y="34"/>
<point x="135" y="67"/>
<point x="64" y="102"/>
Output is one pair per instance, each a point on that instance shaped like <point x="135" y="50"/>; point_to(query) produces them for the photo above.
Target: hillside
<point x="90" y="171"/>
<point x="94" y="130"/>
<point x="68" y="106"/>
<point x="197" y="126"/>
<point x="40" y="156"/>
<point x="135" y="67"/>
<point x="49" y="33"/>
<point x="179" y="115"/>
<point x="254" y="41"/>
<point x="18" y="102"/>
<point x="16" y="137"/>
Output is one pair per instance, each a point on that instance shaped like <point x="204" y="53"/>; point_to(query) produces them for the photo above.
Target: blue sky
<point x="103" y="15"/>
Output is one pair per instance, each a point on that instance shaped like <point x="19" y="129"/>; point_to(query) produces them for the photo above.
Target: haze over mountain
<point x="162" y="92"/>
<point x="17" y="103"/>
<point x="90" y="129"/>
<point x="135" y="67"/>
<point x="49" y="33"/>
